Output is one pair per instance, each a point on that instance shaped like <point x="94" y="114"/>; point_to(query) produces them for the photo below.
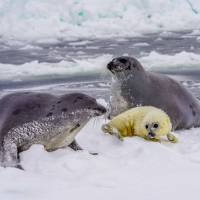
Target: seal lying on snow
<point x="133" y="86"/>
<point x="147" y="122"/>
<point x="38" y="118"/>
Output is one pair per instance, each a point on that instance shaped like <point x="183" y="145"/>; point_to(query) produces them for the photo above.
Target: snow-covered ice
<point x="51" y="20"/>
<point x="96" y="65"/>
<point x="133" y="169"/>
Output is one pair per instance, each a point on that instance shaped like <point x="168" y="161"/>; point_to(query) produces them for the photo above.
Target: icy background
<point x="63" y="19"/>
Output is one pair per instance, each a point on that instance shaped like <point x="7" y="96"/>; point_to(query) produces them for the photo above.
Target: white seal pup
<point x="147" y="122"/>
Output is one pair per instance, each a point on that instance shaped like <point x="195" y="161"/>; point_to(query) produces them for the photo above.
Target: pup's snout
<point x="151" y="134"/>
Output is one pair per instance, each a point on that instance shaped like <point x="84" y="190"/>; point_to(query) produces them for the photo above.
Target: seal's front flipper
<point x="120" y="137"/>
<point x="107" y="129"/>
<point x="9" y="155"/>
<point x="172" y="138"/>
<point x="18" y="166"/>
<point x="75" y="146"/>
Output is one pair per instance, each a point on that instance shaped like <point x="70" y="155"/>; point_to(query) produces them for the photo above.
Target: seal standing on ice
<point x="38" y="118"/>
<point x="133" y="86"/>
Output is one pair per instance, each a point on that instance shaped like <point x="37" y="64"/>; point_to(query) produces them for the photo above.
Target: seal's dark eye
<point x="155" y="125"/>
<point x="122" y="60"/>
<point x="147" y="126"/>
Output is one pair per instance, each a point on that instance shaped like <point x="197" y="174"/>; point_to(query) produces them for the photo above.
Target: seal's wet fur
<point x="133" y="85"/>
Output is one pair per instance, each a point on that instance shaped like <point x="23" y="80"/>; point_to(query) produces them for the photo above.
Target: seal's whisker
<point x="96" y="121"/>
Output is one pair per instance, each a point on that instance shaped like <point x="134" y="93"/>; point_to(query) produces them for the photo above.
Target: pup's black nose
<point x="151" y="134"/>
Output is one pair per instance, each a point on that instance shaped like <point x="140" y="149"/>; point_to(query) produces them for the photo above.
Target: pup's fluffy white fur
<point x="135" y="121"/>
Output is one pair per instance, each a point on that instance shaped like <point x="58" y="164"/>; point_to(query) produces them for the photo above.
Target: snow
<point x="131" y="169"/>
<point x="182" y="61"/>
<point x="51" y="20"/>
<point x="33" y="69"/>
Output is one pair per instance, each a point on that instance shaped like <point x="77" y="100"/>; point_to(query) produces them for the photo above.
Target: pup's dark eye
<point x="155" y="125"/>
<point x="147" y="126"/>
<point x="122" y="60"/>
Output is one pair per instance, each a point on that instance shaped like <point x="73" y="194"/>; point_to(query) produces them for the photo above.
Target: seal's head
<point x="147" y="122"/>
<point x="124" y="65"/>
<point x="154" y="125"/>
<point x="82" y="103"/>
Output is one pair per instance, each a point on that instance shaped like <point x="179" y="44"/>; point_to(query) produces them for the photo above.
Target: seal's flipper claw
<point x="104" y="128"/>
<point x="120" y="138"/>
<point x="18" y="166"/>
<point x="75" y="146"/>
<point x="9" y="154"/>
<point x="172" y="138"/>
<point x="107" y="129"/>
<point x="117" y="134"/>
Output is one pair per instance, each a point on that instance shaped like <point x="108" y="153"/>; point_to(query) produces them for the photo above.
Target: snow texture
<point x="33" y="20"/>
<point x="97" y="65"/>
<point x="131" y="169"/>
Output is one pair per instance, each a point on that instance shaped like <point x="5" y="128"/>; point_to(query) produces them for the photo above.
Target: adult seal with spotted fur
<point x="133" y="86"/>
<point x="40" y="118"/>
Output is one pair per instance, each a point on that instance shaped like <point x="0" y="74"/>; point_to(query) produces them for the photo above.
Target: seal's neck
<point x="136" y="78"/>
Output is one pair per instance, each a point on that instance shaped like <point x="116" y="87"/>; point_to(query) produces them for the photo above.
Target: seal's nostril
<point x="104" y="110"/>
<point x="101" y="109"/>
<point x="151" y="134"/>
<point x="109" y="65"/>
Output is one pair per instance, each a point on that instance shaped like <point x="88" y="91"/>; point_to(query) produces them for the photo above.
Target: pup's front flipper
<point x="107" y="129"/>
<point x="112" y="131"/>
<point x="117" y="134"/>
<point x="172" y="138"/>
<point x="9" y="155"/>
<point x="119" y="137"/>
